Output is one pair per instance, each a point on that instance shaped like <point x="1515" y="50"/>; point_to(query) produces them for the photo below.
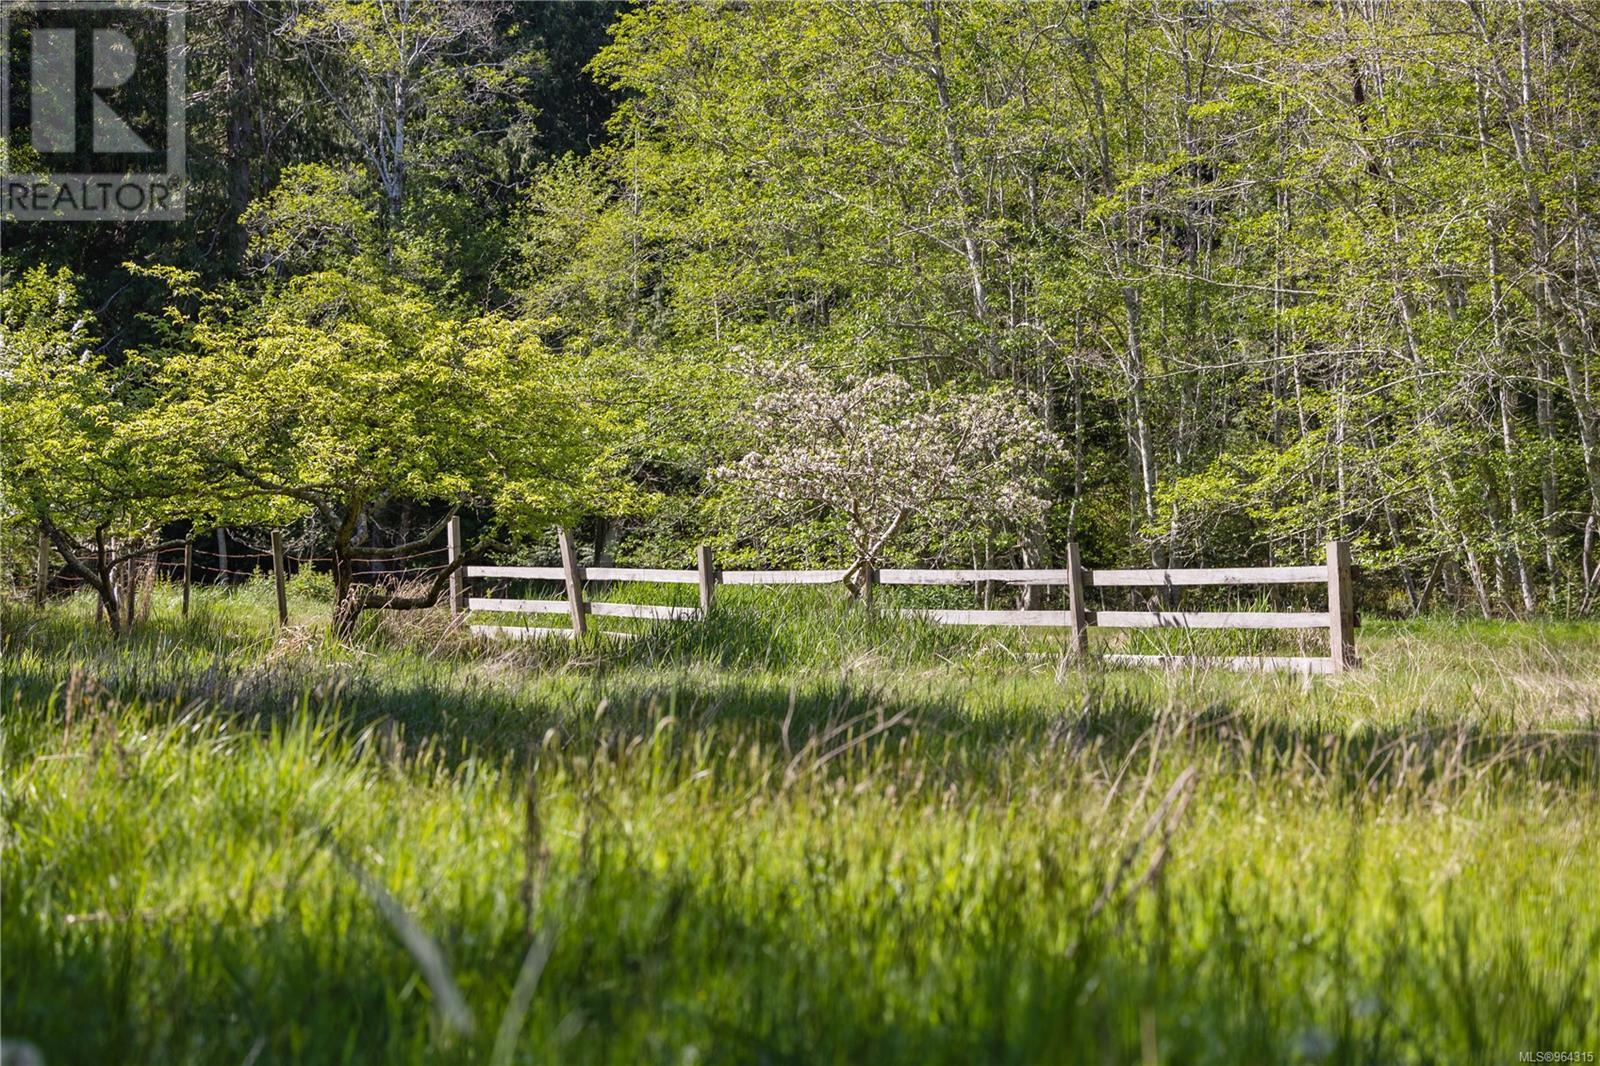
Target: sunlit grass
<point x="797" y="831"/>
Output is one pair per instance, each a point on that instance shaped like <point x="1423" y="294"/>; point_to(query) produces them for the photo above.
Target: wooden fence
<point x="576" y="607"/>
<point x="1338" y="618"/>
<point x="1078" y="618"/>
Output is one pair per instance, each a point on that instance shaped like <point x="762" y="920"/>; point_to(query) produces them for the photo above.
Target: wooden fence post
<point x="708" y="577"/>
<point x="128" y="590"/>
<point x="574" y="577"/>
<point x="42" y="570"/>
<point x="279" y="578"/>
<point x="222" y="555"/>
<point x="109" y="573"/>
<point x="1075" y="604"/>
<point x="188" y="570"/>
<point x="458" y="578"/>
<point x="1341" y="608"/>
<point x="152" y="570"/>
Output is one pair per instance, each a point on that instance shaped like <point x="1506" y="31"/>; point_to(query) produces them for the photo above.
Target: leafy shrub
<point x="311" y="585"/>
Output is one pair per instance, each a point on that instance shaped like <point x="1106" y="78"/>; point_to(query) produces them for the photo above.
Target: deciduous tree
<point x="887" y="458"/>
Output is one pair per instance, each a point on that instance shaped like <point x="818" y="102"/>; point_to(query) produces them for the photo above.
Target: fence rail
<point x="782" y="577"/>
<point x="967" y="577"/>
<point x="1208" y="619"/>
<point x="1078" y="618"/>
<point x="1303" y="664"/>
<point x="1227" y="575"/>
<point x="576" y="607"/>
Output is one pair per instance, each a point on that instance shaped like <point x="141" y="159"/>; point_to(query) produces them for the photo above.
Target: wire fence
<point x="218" y="558"/>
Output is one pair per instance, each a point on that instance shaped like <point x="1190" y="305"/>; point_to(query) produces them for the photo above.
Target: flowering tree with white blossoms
<point x="882" y="456"/>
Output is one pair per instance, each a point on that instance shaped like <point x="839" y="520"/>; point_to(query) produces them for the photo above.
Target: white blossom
<point x="880" y="453"/>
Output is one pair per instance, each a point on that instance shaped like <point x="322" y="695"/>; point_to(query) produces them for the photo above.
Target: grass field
<point x="793" y="833"/>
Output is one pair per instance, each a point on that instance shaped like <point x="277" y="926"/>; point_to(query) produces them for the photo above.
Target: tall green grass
<point x="796" y="832"/>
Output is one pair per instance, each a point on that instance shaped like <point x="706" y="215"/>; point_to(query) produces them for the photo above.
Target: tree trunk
<point x="244" y="25"/>
<point x="958" y="172"/>
<point x="348" y="599"/>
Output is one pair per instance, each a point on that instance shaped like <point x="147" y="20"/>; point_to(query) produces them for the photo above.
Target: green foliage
<point x="315" y="218"/>
<point x="1273" y="276"/>
<point x="312" y="585"/>
<point x="1260" y="303"/>
<point x="339" y="387"/>
<point x="65" y="424"/>
<point x="85" y="460"/>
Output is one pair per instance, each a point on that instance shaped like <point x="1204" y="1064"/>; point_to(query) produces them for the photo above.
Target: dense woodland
<point x="1261" y="274"/>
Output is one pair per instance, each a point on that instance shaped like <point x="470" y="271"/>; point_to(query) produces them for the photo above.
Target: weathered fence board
<point x="280" y="578"/>
<point x="705" y="577"/>
<point x="520" y="632"/>
<point x="1341" y="607"/>
<point x="967" y="577"/>
<point x="1297" y="663"/>
<point x="1226" y="575"/>
<point x="458" y="580"/>
<point x="991" y="618"/>
<point x="572" y="574"/>
<point x="783" y="577"/>
<point x="489" y="603"/>
<point x="1208" y="619"/>
<point x="536" y="573"/>
<point x="536" y="632"/>
<point x="640" y="573"/>
<point x="1075" y="602"/>
<point x="643" y="610"/>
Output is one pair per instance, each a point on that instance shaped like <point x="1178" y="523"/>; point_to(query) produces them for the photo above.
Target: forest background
<point x="1270" y="273"/>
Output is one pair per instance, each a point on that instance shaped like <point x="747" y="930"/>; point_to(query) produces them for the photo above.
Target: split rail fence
<point x="576" y="607"/>
<point x="1338" y="619"/>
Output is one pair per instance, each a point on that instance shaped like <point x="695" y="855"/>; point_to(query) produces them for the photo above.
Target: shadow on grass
<point x="748" y="675"/>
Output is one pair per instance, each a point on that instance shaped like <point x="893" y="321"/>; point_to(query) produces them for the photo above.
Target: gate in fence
<point x="1338" y="619"/>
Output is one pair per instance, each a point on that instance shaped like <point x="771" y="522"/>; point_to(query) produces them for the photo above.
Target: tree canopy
<point x="82" y="465"/>
<point x="1268" y="274"/>
<point x="338" y="391"/>
<point x="886" y="461"/>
